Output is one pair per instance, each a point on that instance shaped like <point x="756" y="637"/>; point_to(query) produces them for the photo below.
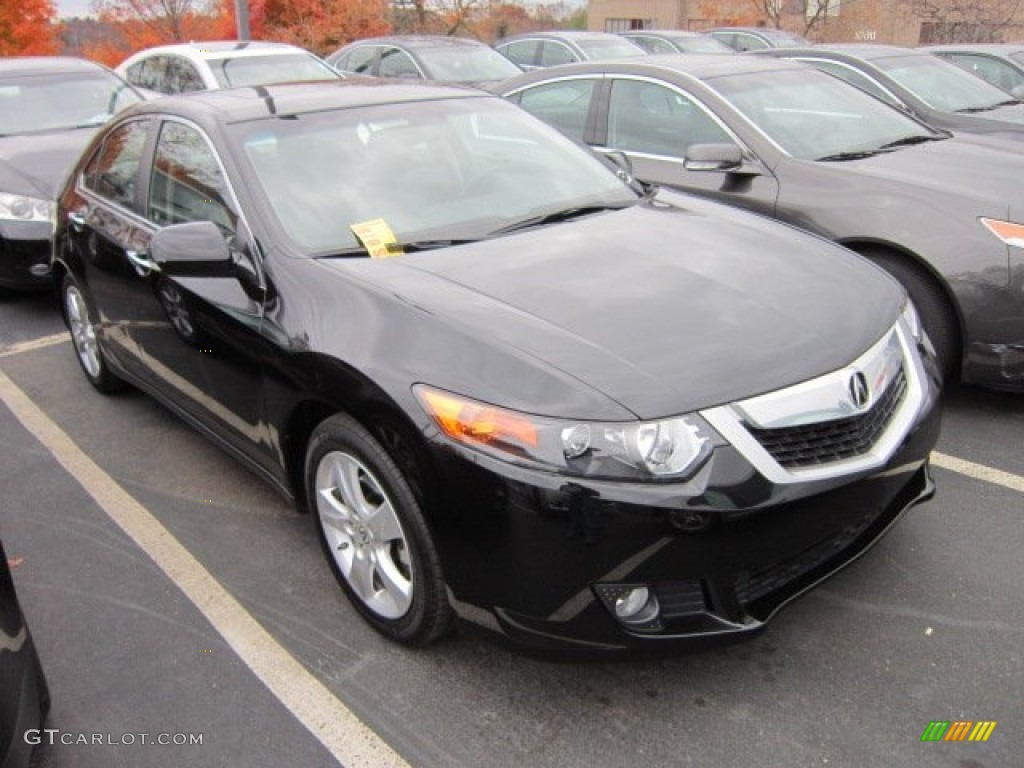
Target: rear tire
<point x="937" y="315"/>
<point x="79" y="318"/>
<point x="372" y="529"/>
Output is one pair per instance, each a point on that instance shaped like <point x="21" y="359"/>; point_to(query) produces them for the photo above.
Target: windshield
<point x="55" y="102"/>
<point x="453" y="169"/>
<point x="1018" y="57"/>
<point x="782" y="39"/>
<point x="237" y="71"/>
<point x="466" y="64"/>
<point x="601" y="48"/>
<point x="941" y="85"/>
<point x="812" y="115"/>
<point x="699" y="44"/>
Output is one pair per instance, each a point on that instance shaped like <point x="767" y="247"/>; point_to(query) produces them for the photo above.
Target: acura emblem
<point x="858" y="390"/>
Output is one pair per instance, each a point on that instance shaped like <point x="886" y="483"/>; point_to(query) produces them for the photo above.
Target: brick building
<point x="899" y="22"/>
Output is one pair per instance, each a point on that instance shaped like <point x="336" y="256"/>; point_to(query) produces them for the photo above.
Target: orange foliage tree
<point x="27" y="28"/>
<point x="322" y="26"/>
<point x="138" y="24"/>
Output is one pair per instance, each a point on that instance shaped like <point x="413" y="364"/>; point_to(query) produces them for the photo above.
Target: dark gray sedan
<point x="1001" y="64"/>
<point x="925" y="86"/>
<point x="944" y="215"/>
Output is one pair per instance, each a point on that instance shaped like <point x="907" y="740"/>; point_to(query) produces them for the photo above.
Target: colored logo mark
<point x="958" y="730"/>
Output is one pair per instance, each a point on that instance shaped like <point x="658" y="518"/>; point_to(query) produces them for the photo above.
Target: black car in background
<point x="49" y="109"/>
<point x="24" y="695"/>
<point x="943" y="215"/>
<point x="508" y="386"/>
<point x="424" y="57"/>
<point x="931" y="89"/>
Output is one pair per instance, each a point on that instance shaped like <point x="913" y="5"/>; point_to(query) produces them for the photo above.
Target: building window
<point x="625" y="25"/>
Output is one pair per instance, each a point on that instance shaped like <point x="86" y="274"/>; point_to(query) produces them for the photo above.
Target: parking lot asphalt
<point x="928" y="626"/>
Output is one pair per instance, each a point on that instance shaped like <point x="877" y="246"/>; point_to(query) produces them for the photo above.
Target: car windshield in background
<point x="453" y="169"/>
<point x="609" y="49"/>
<point x="814" y="116"/>
<point x="58" y="102"/>
<point x="702" y="45"/>
<point x="1018" y="57"/>
<point x="467" y="64"/>
<point x="239" y="71"/>
<point x="942" y="85"/>
<point x="782" y="39"/>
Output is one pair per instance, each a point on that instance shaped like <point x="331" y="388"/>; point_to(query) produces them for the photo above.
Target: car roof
<point x="700" y="66"/>
<point x="996" y="48"/>
<point x="43" y="65"/>
<point x="562" y="34"/>
<point x="218" y="49"/>
<point x="420" y="41"/>
<point x="865" y="51"/>
<point x="236" y="105"/>
<point x="664" y="33"/>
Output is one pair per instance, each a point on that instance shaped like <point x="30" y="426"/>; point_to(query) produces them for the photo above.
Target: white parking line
<point x="28" y="346"/>
<point x="979" y="471"/>
<point x="346" y="737"/>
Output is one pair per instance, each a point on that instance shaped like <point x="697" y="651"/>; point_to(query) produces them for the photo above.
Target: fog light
<point x="636" y="606"/>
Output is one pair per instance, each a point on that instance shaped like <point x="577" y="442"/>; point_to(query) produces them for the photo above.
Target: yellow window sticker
<point x="377" y="238"/>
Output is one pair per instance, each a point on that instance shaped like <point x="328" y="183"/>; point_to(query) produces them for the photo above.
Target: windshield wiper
<point x="841" y="156"/>
<point x="413" y="246"/>
<point x="989" y="108"/>
<point x="907" y="141"/>
<point x="566" y="214"/>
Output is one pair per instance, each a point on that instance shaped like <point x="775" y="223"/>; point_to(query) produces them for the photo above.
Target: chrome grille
<point x="825" y="442"/>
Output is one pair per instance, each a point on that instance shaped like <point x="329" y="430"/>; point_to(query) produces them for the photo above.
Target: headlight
<point x="1007" y="231"/>
<point x="637" y="450"/>
<point x="912" y="320"/>
<point x="22" y="208"/>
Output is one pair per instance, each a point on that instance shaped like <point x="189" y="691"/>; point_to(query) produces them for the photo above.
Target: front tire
<point x="83" y="336"/>
<point x="373" y="532"/>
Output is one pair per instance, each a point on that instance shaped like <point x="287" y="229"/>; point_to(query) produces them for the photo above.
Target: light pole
<point x="242" y="18"/>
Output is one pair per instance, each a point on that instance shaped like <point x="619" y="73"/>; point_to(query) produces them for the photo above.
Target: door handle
<point x="144" y="265"/>
<point x="77" y="220"/>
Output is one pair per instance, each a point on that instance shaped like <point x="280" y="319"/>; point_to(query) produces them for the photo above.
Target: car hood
<point x="36" y="164"/>
<point x="983" y="173"/>
<point x="661" y="308"/>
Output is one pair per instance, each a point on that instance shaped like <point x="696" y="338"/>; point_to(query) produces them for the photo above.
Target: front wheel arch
<point x="936" y="305"/>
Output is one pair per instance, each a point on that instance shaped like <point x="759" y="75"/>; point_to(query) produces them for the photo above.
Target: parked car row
<point x="522" y="355"/>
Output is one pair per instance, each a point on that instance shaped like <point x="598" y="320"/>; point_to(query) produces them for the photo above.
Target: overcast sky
<point x="73" y="7"/>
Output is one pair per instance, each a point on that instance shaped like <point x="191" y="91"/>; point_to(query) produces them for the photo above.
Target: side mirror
<point x="194" y="248"/>
<point x="620" y="163"/>
<point x="713" y="157"/>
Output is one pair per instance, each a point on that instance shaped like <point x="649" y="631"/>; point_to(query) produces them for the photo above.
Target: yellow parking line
<point x="979" y="471"/>
<point x="340" y="731"/>
<point x="28" y="346"/>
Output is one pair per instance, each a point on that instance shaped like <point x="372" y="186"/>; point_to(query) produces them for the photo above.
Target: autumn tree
<point x="966" y="21"/>
<point x="138" y="24"/>
<point x="322" y="26"/>
<point x="27" y="27"/>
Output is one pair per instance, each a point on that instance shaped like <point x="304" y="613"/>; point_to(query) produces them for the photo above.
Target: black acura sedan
<point x="508" y="387"/>
<point x="49" y="109"/>
<point x="944" y="215"/>
<point x="24" y="694"/>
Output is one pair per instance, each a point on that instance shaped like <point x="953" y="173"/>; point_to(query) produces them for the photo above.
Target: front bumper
<point x="25" y="257"/>
<point x="540" y="568"/>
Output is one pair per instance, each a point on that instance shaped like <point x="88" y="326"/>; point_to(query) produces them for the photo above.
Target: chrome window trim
<point x="729" y="419"/>
<point x="862" y="73"/>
